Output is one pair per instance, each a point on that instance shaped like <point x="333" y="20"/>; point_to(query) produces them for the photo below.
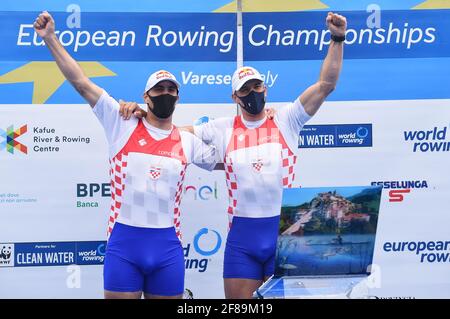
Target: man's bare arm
<point x="313" y="97"/>
<point x="45" y="27"/>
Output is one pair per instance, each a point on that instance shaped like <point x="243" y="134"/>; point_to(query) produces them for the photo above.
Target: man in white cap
<point x="148" y="160"/>
<point x="259" y="157"/>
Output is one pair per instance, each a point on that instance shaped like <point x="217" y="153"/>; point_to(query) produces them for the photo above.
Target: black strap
<point x="337" y="38"/>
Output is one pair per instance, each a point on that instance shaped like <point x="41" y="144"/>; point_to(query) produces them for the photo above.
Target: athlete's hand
<point x="270" y="113"/>
<point x="44" y="25"/>
<point x="337" y="24"/>
<point x="131" y="108"/>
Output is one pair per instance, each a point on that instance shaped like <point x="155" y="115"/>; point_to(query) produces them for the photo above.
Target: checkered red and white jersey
<point x="147" y="180"/>
<point x="148" y="167"/>
<point x="259" y="161"/>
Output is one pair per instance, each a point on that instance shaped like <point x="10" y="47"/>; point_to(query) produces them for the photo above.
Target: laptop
<point x="325" y="243"/>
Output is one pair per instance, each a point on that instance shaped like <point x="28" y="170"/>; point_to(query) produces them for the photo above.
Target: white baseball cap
<point x="158" y="76"/>
<point x="243" y="75"/>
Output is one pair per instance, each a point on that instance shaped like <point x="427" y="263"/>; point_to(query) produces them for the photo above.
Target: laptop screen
<point x="327" y="231"/>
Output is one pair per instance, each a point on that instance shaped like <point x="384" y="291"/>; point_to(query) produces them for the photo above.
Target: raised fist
<point x="336" y="23"/>
<point x="44" y="25"/>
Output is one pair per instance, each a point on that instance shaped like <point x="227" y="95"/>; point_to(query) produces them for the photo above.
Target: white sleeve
<point x="293" y="116"/>
<point x="204" y="156"/>
<point x="205" y="131"/>
<point x="107" y="111"/>
<point x="214" y="132"/>
<point x="200" y="154"/>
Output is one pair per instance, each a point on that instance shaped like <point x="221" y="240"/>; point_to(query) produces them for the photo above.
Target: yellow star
<point x="47" y="77"/>
<point x="434" y="4"/>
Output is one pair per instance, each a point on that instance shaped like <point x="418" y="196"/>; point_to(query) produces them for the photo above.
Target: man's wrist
<point x="338" y="38"/>
<point x="50" y="37"/>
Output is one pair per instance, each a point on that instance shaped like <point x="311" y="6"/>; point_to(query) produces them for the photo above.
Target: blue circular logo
<point x="101" y="249"/>
<point x="197" y="237"/>
<point x="362" y="132"/>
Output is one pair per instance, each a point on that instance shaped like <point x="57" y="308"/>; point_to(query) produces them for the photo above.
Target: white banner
<point x="55" y="195"/>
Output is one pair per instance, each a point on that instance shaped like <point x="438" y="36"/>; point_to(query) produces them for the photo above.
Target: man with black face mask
<point x="148" y="160"/>
<point x="259" y="154"/>
<point x="161" y="95"/>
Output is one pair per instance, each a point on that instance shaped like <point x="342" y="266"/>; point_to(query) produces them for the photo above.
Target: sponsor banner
<point x="391" y="157"/>
<point x="55" y="170"/>
<point x="44" y="254"/>
<point x="90" y="252"/>
<point x="53" y="178"/>
<point x="204" y="229"/>
<point x="212" y="36"/>
<point x="397" y="190"/>
<point x="323" y="136"/>
<point x="70" y="206"/>
<point x="411" y="251"/>
<point x="433" y="251"/>
<point x="304" y="36"/>
<point x="43" y="139"/>
<point x="139" y="37"/>
<point x="433" y="140"/>
<point x="52" y="253"/>
<point x="54" y="162"/>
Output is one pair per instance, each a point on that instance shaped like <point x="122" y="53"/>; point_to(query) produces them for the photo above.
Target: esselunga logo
<point x="434" y="140"/>
<point x="399" y="189"/>
<point x="206" y="243"/>
<point x="8" y="139"/>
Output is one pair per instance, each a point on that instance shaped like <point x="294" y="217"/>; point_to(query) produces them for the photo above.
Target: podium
<point x="314" y="287"/>
<point x="325" y="244"/>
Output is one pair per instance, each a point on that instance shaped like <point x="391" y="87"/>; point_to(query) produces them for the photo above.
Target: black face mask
<point x="163" y="105"/>
<point x="254" y="102"/>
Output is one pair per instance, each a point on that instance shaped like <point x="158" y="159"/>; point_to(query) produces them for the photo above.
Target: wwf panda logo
<point x="5" y="252"/>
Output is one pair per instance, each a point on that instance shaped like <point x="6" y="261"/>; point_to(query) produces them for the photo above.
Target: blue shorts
<point x="144" y="259"/>
<point x="250" y="249"/>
